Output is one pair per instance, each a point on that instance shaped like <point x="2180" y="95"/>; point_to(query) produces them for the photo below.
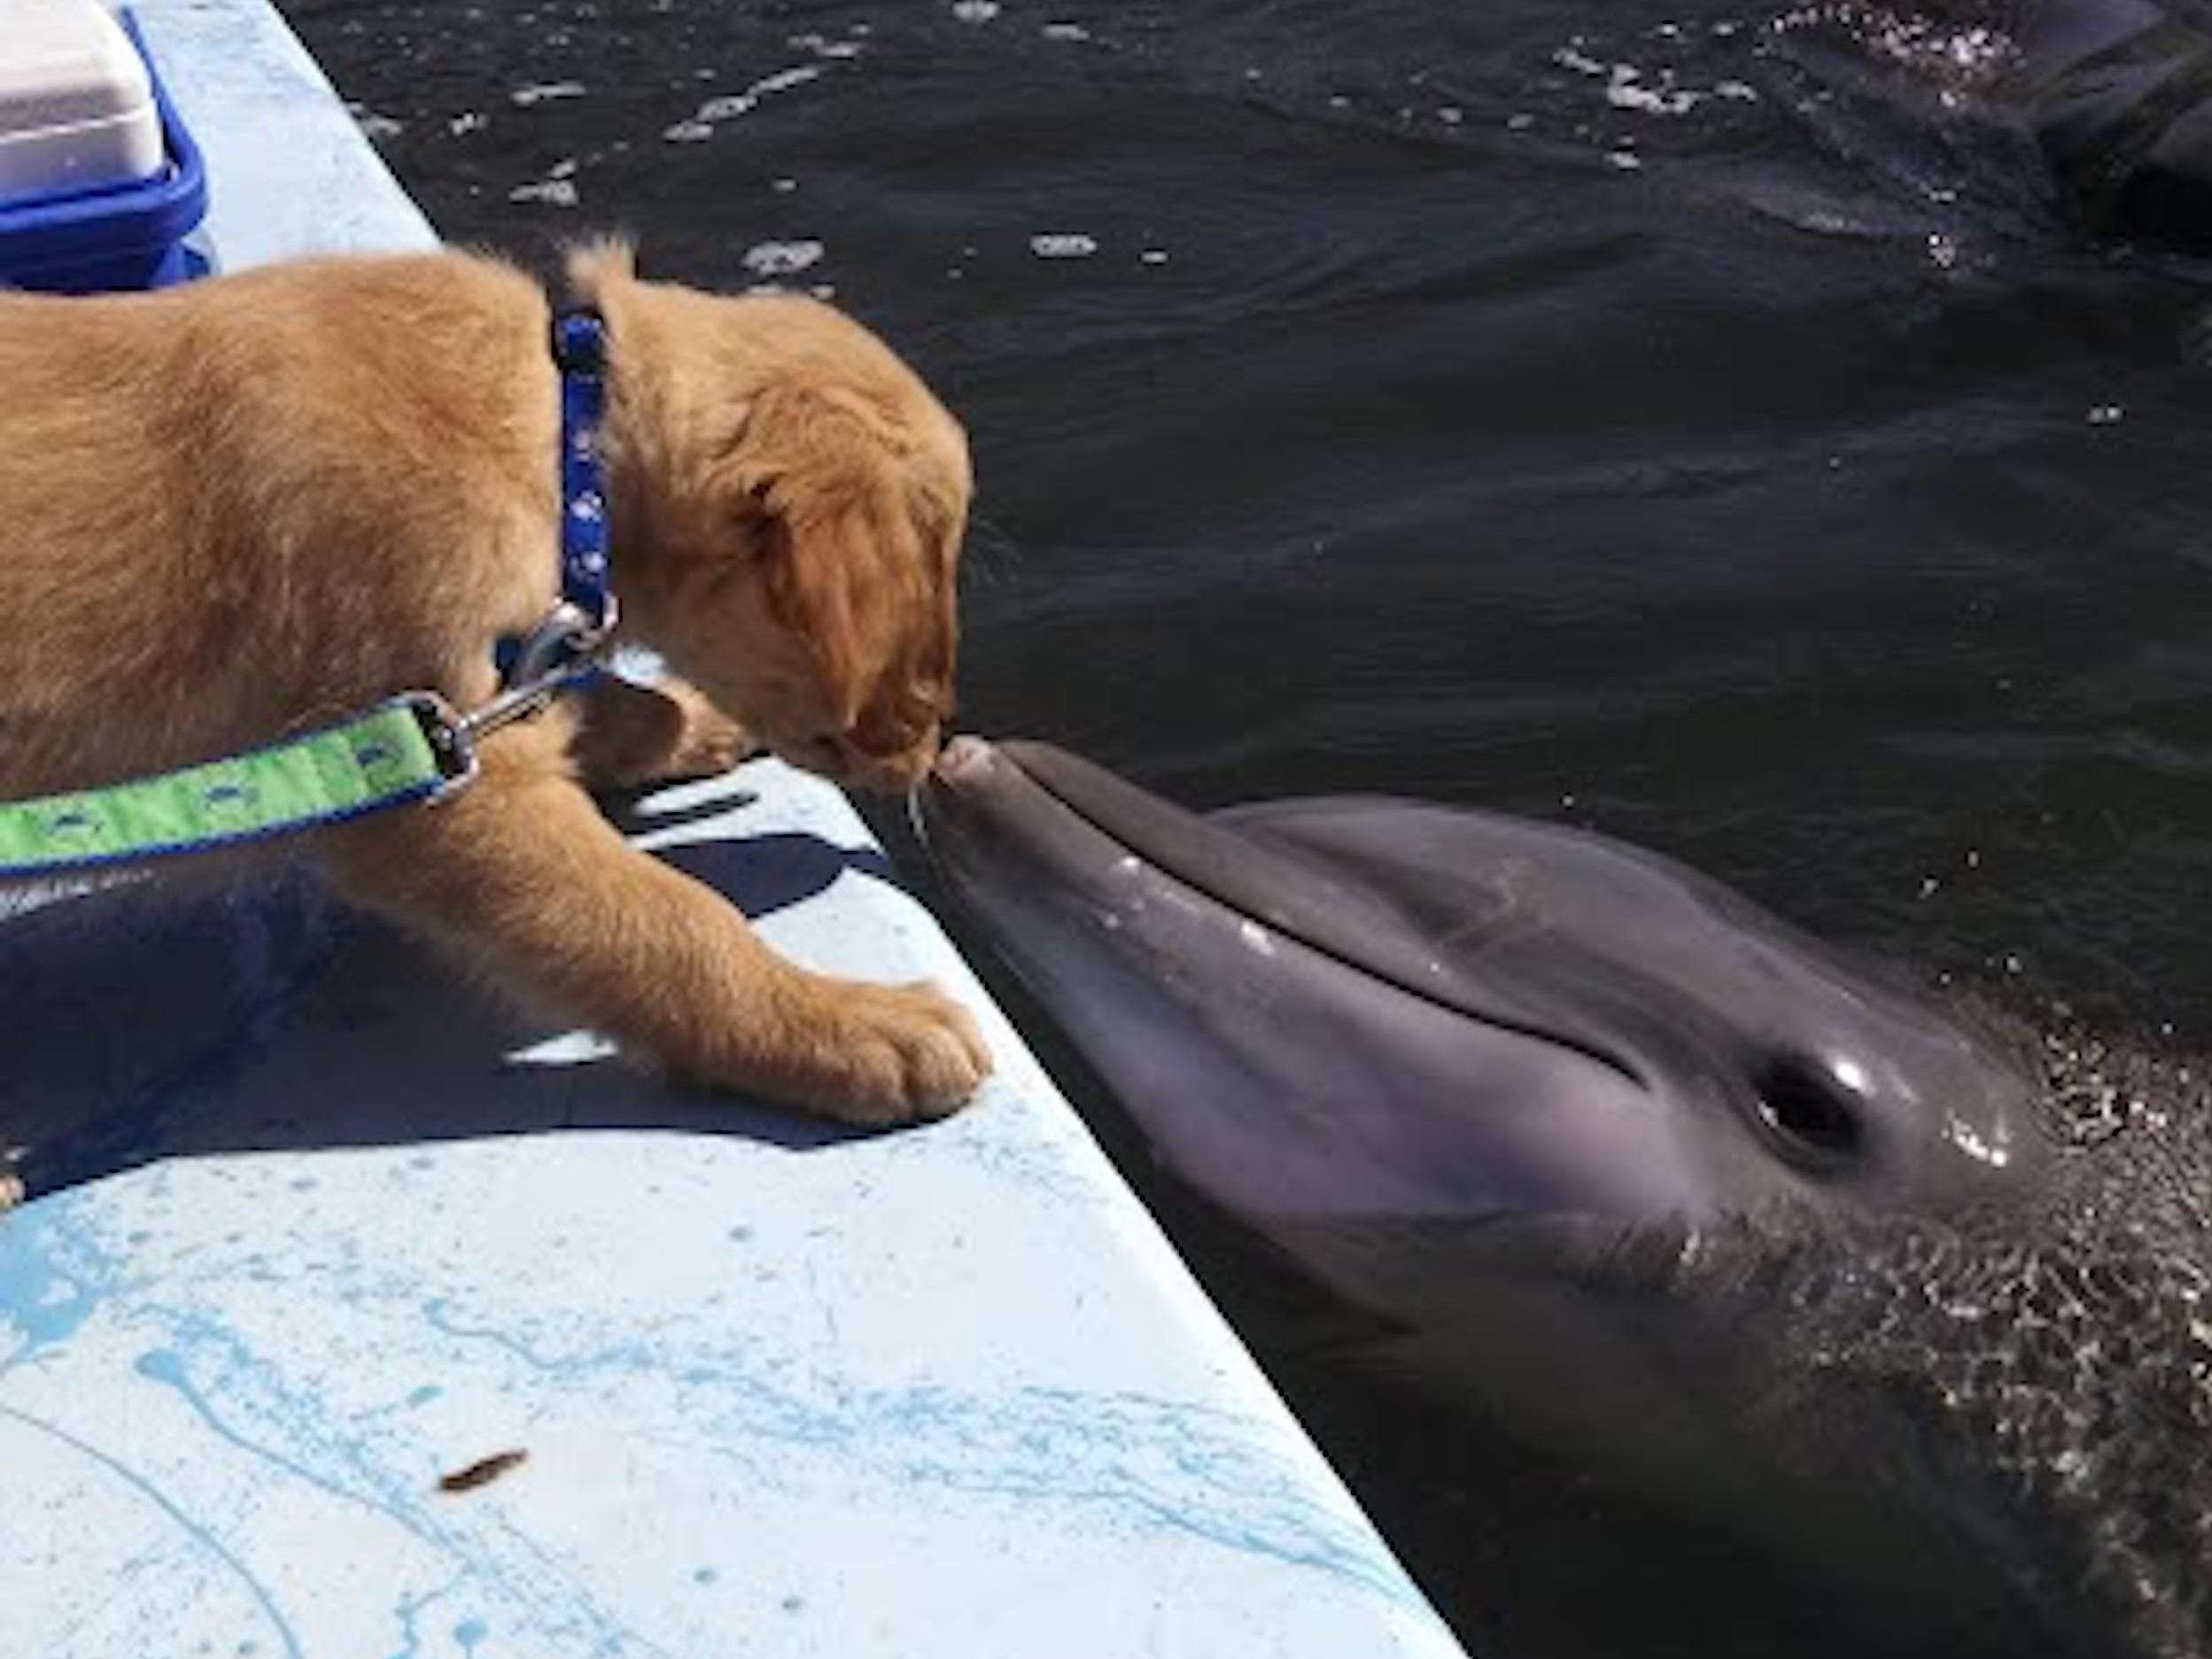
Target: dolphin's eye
<point x="1808" y="1108"/>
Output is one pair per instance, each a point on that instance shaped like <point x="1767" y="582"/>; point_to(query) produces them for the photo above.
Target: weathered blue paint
<point x="319" y="1229"/>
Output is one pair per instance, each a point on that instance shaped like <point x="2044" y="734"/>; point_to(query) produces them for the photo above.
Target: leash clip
<point x="567" y="647"/>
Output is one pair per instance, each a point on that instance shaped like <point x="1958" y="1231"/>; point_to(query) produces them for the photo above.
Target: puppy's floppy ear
<point x="846" y="536"/>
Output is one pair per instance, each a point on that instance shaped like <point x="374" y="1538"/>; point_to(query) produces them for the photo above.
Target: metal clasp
<point x="566" y="647"/>
<point x="567" y="637"/>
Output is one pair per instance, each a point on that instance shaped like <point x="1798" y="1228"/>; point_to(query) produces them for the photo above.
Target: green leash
<point x="408" y="749"/>
<point x="399" y="751"/>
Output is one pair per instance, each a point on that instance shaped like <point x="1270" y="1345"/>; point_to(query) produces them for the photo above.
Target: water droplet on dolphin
<point x="1969" y="1141"/>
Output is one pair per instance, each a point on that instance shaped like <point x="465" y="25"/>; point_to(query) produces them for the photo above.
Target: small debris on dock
<point x="483" y="1472"/>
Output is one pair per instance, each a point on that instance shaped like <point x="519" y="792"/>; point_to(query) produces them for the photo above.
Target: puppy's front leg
<point x="521" y="877"/>
<point x="631" y="735"/>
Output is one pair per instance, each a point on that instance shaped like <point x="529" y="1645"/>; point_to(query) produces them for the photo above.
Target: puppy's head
<point x="790" y="503"/>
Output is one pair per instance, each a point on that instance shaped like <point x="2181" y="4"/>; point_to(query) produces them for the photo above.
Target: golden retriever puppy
<point x="248" y="506"/>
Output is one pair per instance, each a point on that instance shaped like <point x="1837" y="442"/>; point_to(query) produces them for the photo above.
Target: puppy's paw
<point x="633" y="737"/>
<point x="886" y="1054"/>
<point x="708" y="742"/>
<point x="13" y="1192"/>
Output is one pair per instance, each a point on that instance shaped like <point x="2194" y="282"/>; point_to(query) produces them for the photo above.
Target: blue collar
<point x="568" y="643"/>
<point x="580" y="348"/>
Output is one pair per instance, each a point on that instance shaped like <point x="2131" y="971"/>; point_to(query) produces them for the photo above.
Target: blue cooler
<point x="100" y="185"/>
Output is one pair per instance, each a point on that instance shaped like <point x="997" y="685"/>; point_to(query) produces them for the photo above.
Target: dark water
<point x="1639" y="413"/>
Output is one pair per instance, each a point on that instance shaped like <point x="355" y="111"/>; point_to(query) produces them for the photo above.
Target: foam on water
<point x="781" y="258"/>
<point x="729" y="106"/>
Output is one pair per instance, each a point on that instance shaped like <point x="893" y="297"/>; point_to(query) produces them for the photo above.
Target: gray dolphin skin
<point x="2119" y="95"/>
<point x="1628" y="1171"/>
<point x="2116" y="94"/>
<point x="1439" y="1012"/>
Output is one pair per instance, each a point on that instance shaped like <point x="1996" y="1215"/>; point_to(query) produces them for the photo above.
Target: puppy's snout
<point x="900" y="729"/>
<point x="889" y="748"/>
<point x="897" y="768"/>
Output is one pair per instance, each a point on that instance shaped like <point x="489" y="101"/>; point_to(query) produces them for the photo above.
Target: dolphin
<point x="1613" y="1163"/>
<point x="2115" y="94"/>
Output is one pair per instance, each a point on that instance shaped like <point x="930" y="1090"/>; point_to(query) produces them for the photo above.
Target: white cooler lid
<point x="76" y="104"/>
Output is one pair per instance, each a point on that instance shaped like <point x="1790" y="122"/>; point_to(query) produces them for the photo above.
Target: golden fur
<point x="239" y="507"/>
